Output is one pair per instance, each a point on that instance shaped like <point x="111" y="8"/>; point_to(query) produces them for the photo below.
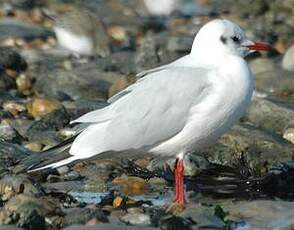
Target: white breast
<point x="82" y="45"/>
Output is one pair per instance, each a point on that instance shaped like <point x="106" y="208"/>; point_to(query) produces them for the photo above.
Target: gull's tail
<point x="51" y="158"/>
<point x="56" y="164"/>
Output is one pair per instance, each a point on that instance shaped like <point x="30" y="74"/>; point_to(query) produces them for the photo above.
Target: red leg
<point x="179" y="182"/>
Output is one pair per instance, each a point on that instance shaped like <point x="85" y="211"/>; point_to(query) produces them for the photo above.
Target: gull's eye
<point x="235" y="39"/>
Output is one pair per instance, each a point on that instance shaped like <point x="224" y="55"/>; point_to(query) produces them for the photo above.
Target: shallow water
<point x="90" y="198"/>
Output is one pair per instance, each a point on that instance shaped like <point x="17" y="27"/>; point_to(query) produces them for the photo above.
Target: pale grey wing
<point x="156" y="109"/>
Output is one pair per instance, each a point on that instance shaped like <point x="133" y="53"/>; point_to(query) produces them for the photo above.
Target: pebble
<point x="117" y="201"/>
<point x="288" y="59"/>
<point x="34" y="146"/>
<point x="135" y="210"/>
<point x="17" y="29"/>
<point x="157" y="184"/>
<point x="39" y="107"/>
<point x="136" y="219"/>
<point x="6" y="81"/>
<point x="131" y="184"/>
<point x="288" y="134"/>
<point x="8" y="133"/>
<point x="14" y="107"/>
<point x="24" y="84"/>
<point x="11" y="59"/>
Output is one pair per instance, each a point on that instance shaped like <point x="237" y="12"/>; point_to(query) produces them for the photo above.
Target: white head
<point x="222" y="37"/>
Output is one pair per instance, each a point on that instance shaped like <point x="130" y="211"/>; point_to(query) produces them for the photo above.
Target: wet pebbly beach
<point x="244" y="181"/>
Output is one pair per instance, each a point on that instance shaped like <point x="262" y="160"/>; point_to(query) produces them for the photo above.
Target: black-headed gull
<point x="177" y="108"/>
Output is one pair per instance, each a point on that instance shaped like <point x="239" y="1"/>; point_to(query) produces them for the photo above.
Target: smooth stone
<point x="288" y="59"/>
<point x="17" y="29"/>
<point x="40" y="107"/>
<point x="157" y="184"/>
<point x="11" y="59"/>
<point x="262" y="214"/>
<point x="136" y="219"/>
<point x="260" y="149"/>
<point x="15" y="153"/>
<point x="272" y="114"/>
<point x="6" y="82"/>
<point x="83" y="82"/>
<point x="28" y="212"/>
<point x="83" y="215"/>
<point x="261" y="65"/>
<point x="45" y="127"/>
<point x="22" y="183"/>
<point x="8" y="133"/>
<point x="277" y="82"/>
<point x="131" y="184"/>
<point x="180" y="44"/>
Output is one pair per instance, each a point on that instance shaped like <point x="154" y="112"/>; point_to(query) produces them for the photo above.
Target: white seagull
<point x="177" y="108"/>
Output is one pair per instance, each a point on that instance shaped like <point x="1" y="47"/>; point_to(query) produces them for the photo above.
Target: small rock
<point x="93" y="222"/>
<point x="135" y="210"/>
<point x="131" y="184"/>
<point x="157" y="184"/>
<point x="261" y="65"/>
<point x="40" y="107"/>
<point x="20" y="184"/>
<point x="34" y="146"/>
<point x="136" y="219"/>
<point x="83" y="215"/>
<point x="8" y="133"/>
<point x="11" y="59"/>
<point x="6" y="82"/>
<point x="14" y="107"/>
<point x="24" y="83"/>
<point x="288" y="133"/>
<point x="44" y="130"/>
<point x="180" y="44"/>
<point x="117" y="201"/>
<point x="27" y="212"/>
<point x="15" y="153"/>
<point x="288" y="59"/>
<point x="270" y="113"/>
<point x="175" y="222"/>
<point x="17" y="29"/>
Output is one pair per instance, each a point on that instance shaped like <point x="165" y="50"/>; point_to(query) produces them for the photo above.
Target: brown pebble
<point x="92" y="222"/>
<point x="12" y="73"/>
<point x="117" y="202"/>
<point x="131" y="185"/>
<point x="39" y="107"/>
<point x="33" y="146"/>
<point x="24" y="83"/>
<point x="118" y="34"/>
<point x="13" y="107"/>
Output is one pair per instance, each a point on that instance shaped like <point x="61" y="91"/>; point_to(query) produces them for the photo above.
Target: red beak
<point x="260" y="46"/>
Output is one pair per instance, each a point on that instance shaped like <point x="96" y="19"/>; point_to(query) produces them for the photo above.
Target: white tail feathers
<point x="56" y="164"/>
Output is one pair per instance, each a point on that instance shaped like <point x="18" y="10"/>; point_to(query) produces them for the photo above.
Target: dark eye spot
<point x="236" y="39"/>
<point x="223" y="39"/>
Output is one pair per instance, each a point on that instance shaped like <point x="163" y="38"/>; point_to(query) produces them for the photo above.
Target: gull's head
<point x="220" y="37"/>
